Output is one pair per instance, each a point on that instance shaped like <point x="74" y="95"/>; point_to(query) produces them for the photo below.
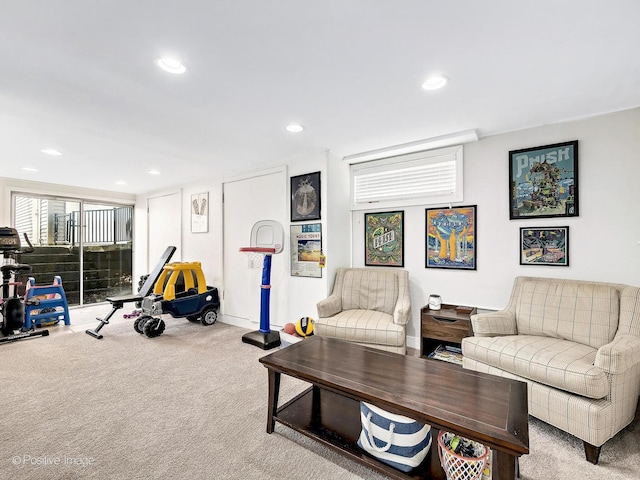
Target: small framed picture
<point x="306" y="250"/>
<point x="543" y="181"/>
<point x="544" y="246"/>
<point x="305" y="197"/>
<point x="200" y="212"/>
<point x="451" y="238"/>
<point x="384" y="239"/>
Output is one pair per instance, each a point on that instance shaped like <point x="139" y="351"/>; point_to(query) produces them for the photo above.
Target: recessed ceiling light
<point x="51" y="151"/>
<point x="30" y="169"/>
<point x="121" y="182"/>
<point x="295" y="128"/>
<point x="171" y="65"/>
<point x="435" y="82"/>
<point x="153" y="171"/>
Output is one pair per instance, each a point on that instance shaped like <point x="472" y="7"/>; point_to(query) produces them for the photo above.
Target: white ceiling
<point x="79" y="76"/>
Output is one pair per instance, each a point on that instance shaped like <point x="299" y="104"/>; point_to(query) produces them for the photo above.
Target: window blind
<point x="424" y="178"/>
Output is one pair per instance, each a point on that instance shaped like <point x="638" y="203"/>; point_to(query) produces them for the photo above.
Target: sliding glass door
<point x="87" y="244"/>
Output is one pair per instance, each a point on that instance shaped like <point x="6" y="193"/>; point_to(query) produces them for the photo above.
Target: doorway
<point x="164" y="227"/>
<point x="247" y="201"/>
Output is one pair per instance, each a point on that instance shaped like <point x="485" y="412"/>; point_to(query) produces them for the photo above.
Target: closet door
<point x="247" y="201"/>
<point x="165" y="219"/>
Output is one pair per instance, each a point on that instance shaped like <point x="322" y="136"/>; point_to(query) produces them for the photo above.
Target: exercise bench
<point x="118" y="302"/>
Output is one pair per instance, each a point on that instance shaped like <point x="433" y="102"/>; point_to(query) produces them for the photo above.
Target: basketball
<point x="304" y="326"/>
<point x="289" y="328"/>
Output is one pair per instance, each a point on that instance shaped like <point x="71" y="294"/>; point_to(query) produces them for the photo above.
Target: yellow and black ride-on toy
<point x="197" y="302"/>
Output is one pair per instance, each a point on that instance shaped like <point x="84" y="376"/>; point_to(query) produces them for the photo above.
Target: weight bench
<point x="118" y="302"/>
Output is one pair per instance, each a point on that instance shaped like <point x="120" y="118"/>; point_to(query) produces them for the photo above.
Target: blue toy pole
<point x="265" y="293"/>
<point x="264" y="338"/>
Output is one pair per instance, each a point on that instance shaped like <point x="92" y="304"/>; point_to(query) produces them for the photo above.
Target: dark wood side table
<point x="447" y="326"/>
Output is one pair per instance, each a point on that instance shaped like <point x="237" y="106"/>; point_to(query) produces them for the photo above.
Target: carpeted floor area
<point x="192" y="404"/>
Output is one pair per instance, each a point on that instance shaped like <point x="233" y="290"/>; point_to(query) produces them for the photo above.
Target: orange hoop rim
<point x="257" y="249"/>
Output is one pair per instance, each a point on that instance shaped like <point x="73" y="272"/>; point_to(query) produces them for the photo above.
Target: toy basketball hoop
<point x="255" y="255"/>
<point x="267" y="238"/>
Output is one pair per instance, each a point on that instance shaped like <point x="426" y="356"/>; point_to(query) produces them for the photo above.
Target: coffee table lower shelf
<point x="337" y="425"/>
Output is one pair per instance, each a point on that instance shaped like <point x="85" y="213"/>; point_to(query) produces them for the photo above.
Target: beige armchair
<point x="368" y="306"/>
<point x="577" y="346"/>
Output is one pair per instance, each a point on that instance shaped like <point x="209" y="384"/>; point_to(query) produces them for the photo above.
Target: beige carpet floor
<point x="191" y="404"/>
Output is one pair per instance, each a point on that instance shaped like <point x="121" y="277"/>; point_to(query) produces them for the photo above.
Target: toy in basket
<point x="461" y="458"/>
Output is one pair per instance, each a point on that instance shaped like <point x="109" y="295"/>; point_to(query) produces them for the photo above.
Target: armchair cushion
<point x="370" y="290"/>
<point x="363" y="326"/>
<point x="552" y="361"/>
<point x="583" y="313"/>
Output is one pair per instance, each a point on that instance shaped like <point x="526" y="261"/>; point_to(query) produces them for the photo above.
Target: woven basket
<point x="459" y="467"/>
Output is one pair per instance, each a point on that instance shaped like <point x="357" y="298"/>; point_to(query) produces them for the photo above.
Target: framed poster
<point x="384" y="239"/>
<point x="543" y="181"/>
<point x="305" y="197"/>
<point x="451" y="238"/>
<point x="200" y="213"/>
<point x="544" y="246"/>
<point x="306" y="250"/>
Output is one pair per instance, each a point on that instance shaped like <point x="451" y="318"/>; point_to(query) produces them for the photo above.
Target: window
<point x="423" y="178"/>
<point x="88" y="245"/>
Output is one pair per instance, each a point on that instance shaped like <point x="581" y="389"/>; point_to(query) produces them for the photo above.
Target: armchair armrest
<point x="402" y="310"/>
<point x="329" y="306"/>
<point x="493" y="324"/>
<point x="615" y="357"/>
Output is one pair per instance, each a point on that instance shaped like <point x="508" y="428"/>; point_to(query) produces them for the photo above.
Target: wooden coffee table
<point x="489" y="409"/>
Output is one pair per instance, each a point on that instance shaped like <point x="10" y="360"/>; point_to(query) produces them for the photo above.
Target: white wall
<point x="302" y="293"/>
<point x="604" y="241"/>
<point x="195" y="247"/>
<point x="305" y="293"/>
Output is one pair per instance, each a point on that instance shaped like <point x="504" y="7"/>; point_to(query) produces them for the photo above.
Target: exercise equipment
<point x="118" y="302"/>
<point x="267" y="237"/>
<point x="12" y="305"/>
<point x="195" y="300"/>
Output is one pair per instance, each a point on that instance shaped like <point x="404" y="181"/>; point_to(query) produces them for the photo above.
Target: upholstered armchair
<point x="577" y="346"/>
<point x="368" y="306"/>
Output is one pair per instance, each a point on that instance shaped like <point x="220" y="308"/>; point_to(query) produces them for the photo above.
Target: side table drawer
<point x="447" y="329"/>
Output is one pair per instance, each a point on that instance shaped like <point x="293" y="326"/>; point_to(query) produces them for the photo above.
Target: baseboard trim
<point x="412" y="342"/>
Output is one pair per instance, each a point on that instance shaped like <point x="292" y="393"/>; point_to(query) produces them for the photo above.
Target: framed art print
<point x="200" y="212"/>
<point x="451" y="238"/>
<point x="384" y="239"/>
<point x="544" y="246"/>
<point x="305" y="197"/>
<point x="543" y="181"/>
<point x="306" y="250"/>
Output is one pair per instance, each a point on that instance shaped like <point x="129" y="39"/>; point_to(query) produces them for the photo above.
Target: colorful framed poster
<point x="451" y="238"/>
<point x="306" y="250"/>
<point x="543" y="181"/>
<point x="544" y="246"/>
<point x="200" y="213"/>
<point x="305" y="197"/>
<point x="384" y="239"/>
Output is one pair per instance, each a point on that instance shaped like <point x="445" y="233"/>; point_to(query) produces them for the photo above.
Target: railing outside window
<point x="99" y="226"/>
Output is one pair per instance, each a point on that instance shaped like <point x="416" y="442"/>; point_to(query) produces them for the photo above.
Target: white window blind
<point x="420" y="178"/>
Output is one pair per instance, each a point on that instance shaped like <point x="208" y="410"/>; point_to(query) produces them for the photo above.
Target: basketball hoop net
<point x="255" y="255"/>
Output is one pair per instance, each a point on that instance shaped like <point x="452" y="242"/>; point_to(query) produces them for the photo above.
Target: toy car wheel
<point x="154" y="327"/>
<point x="138" y="324"/>
<point x="209" y="317"/>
